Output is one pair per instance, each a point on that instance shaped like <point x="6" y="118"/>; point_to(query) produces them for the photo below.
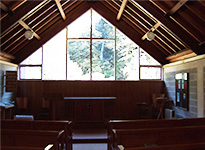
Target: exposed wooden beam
<point x="152" y="29"/>
<point x="22" y="10"/>
<point x="28" y="28"/>
<point x="172" y="25"/>
<point x="60" y="9"/>
<point x="6" y="9"/>
<point x="181" y="55"/>
<point x="176" y="7"/>
<point x="6" y="57"/>
<point x="60" y="24"/>
<point x="124" y="3"/>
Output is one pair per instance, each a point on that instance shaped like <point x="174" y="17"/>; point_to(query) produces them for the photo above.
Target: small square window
<point x="30" y="72"/>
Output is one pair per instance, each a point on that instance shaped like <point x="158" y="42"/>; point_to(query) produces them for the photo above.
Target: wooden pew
<point x="159" y="136"/>
<point x="140" y="124"/>
<point x="48" y="147"/>
<point x="42" y="125"/>
<point x="31" y="138"/>
<point x="190" y="146"/>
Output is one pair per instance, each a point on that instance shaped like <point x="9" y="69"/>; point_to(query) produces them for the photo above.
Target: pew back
<point x="190" y="146"/>
<point x="31" y="138"/>
<point x="160" y="136"/>
<point x="42" y="125"/>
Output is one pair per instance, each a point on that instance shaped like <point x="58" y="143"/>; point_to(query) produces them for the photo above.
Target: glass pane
<point x="127" y="55"/>
<point x="34" y="59"/>
<point x="30" y="72"/>
<point x="146" y="59"/>
<point x="103" y="60"/>
<point x="80" y="28"/>
<point x="54" y="57"/>
<point x="150" y="73"/>
<point x="100" y="27"/>
<point x="78" y="60"/>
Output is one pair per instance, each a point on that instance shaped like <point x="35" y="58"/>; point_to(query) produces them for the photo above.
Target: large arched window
<point x="90" y="48"/>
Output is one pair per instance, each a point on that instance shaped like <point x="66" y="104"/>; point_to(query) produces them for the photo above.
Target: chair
<point x="158" y="104"/>
<point x="22" y="105"/>
<point x="44" y="113"/>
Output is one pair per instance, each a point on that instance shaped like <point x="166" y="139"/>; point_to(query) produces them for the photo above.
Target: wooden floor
<point x="89" y="139"/>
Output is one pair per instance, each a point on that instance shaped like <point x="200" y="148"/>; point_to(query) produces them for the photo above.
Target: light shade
<point x="28" y="34"/>
<point x="150" y="36"/>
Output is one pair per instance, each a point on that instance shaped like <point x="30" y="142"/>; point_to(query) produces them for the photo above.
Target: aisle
<point x="89" y="139"/>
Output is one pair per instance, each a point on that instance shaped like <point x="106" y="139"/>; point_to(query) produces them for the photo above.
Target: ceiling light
<point x="28" y="34"/>
<point x="150" y="36"/>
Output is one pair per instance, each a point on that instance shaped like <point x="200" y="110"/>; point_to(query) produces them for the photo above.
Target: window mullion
<point x="91" y="45"/>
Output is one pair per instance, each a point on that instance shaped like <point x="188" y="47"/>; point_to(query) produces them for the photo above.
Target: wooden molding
<point x="28" y="28"/>
<point x="124" y="3"/>
<point x="60" y="9"/>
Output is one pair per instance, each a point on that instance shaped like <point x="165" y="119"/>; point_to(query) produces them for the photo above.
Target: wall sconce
<point x="150" y="36"/>
<point x="28" y="34"/>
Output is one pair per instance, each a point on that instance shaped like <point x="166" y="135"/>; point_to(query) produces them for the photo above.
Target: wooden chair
<point x="22" y="105"/>
<point x="44" y="112"/>
<point x="158" y="104"/>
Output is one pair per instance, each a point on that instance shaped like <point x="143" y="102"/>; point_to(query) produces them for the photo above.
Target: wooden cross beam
<point x="28" y="28"/>
<point x="124" y="3"/>
<point x="60" y="9"/>
<point x="6" y="9"/>
<point x="152" y="29"/>
<point x="176" y="7"/>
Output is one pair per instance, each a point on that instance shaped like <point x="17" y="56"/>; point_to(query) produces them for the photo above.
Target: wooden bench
<point x="191" y="146"/>
<point x="159" y="136"/>
<point x="31" y="138"/>
<point x="140" y="124"/>
<point x="48" y="147"/>
<point x="42" y="125"/>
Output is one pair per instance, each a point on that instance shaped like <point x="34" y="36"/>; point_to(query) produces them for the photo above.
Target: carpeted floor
<point x="90" y="146"/>
<point x="89" y="134"/>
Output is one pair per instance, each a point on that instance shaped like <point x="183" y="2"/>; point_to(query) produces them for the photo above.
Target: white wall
<point x="197" y="64"/>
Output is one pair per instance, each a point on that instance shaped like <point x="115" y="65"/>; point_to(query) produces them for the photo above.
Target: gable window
<point x="92" y="50"/>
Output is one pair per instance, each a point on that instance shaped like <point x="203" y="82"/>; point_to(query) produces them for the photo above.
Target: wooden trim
<point x="179" y="54"/>
<point x="124" y="3"/>
<point x="60" y="9"/>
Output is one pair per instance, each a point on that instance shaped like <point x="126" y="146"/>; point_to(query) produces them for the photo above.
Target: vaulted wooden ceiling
<point x="178" y="25"/>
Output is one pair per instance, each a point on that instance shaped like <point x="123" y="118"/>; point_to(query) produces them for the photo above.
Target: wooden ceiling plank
<point x="60" y="9"/>
<point x="175" y="28"/>
<point x="124" y="3"/>
<point x="28" y="28"/>
<point x="176" y="7"/>
<point x="6" y="9"/>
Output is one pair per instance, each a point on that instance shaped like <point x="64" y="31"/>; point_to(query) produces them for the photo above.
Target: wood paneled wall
<point x="128" y="93"/>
